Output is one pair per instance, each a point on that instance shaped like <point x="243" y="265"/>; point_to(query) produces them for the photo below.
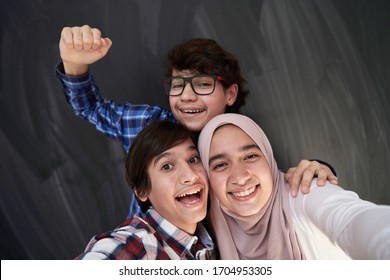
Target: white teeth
<point x="189" y="193"/>
<point x="244" y="193"/>
<point x="192" y="111"/>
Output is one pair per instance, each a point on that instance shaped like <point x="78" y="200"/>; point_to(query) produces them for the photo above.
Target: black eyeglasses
<point x="200" y="84"/>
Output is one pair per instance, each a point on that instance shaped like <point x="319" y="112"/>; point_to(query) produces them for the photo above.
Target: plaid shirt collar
<point x="182" y="243"/>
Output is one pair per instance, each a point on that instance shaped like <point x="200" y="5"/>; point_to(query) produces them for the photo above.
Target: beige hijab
<point x="268" y="234"/>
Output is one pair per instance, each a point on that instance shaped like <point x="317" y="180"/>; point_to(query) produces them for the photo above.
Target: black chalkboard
<point x="318" y="72"/>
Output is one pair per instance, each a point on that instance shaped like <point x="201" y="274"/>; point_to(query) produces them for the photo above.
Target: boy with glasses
<point x="204" y="80"/>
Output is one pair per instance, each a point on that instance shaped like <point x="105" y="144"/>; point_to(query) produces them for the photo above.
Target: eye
<point x="166" y="167"/>
<point x="177" y="83"/>
<point x="177" y="86"/>
<point x="251" y="157"/>
<point x="219" y="166"/>
<point x="203" y="82"/>
<point x="194" y="160"/>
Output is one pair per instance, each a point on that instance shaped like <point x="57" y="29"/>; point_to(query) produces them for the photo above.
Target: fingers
<point x="302" y="176"/>
<point x="324" y="173"/>
<point x="95" y="39"/>
<point x="82" y="38"/>
<point x="307" y="176"/>
<point x="105" y="44"/>
<point x="298" y="179"/>
<point x="77" y="38"/>
<point x="288" y="177"/>
<point x="67" y="37"/>
<point x="81" y="47"/>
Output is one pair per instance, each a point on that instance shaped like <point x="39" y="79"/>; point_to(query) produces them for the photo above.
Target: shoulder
<point x="145" y="112"/>
<point x="325" y="192"/>
<point x="133" y="239"/>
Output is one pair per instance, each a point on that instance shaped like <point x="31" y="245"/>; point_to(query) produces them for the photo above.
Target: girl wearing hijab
<point x="254" y="216"/>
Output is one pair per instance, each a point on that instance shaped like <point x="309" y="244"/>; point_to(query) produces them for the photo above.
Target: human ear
<point x="143" y="198"/>
<point x="231" y="94"/>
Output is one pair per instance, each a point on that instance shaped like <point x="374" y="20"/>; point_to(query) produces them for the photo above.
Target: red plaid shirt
<point x="150" y="238"/>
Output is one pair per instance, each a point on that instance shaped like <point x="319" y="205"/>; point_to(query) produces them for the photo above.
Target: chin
<point x="200" y="216"/>
<point x="193" y="127"/>
<point x="245" y="213"/>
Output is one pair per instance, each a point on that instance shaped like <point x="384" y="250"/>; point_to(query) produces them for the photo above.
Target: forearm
<point x="80" y="92"/>
<point x="84" y="97"/>
<point x="367" y="235"/>
<point x="118" y="121"/>
<point x="359" y="227"/>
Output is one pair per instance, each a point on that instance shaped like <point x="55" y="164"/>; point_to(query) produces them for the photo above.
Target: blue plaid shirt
<point x="121" y="122"/>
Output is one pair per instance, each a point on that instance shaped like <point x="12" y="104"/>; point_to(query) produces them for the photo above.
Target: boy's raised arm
<point x="81" y="46"/>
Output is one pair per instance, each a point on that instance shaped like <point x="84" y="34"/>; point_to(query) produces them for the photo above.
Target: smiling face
<point x="239" y="173"/>
<point x="179" y="186"/>
<point x="193" y="110"/>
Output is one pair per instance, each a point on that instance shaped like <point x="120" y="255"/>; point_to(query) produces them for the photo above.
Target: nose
<point x="240" y="174"/>
<point x="188" y="93"/>
<point x="189" y="175"/>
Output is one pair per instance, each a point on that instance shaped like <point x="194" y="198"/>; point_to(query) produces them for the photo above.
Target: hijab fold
<point x="268" y="234"/>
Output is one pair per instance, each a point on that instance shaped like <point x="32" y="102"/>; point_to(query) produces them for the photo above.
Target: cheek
<point x="215" y="104"/>
<point x="171" y="101"/>
<point x="263" y="170"/>
<point x="202" y="171"/>
<point x="158" y="188"/>
<point x="217" y="183"/>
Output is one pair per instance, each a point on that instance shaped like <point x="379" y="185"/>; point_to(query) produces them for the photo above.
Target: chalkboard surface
<point x="318" y="72"/>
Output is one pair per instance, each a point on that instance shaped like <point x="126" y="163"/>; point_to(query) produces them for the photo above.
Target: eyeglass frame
<point x="189" y="79"/>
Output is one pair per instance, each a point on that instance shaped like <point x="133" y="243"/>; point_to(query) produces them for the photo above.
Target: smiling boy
<point x="164" y="170"/>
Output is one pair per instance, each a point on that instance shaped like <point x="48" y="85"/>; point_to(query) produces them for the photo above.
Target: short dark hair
<point x="205" y="56"/>
<point x="154" y="139"/>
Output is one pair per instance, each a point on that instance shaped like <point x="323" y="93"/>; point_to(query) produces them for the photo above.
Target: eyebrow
<point x="242" y="149"/>
<point x="166" y="154"/>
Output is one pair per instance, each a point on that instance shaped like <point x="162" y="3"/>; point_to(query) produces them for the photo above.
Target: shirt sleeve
<point x="119" y="244"/>
<point x="361" y="228"/>
<point x="121" y="122"/>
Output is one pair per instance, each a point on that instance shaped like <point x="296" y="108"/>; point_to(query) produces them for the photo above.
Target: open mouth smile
<point x="190" y="197"/>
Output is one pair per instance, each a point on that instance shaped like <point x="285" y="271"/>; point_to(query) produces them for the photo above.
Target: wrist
<point x="73" y="69"/>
